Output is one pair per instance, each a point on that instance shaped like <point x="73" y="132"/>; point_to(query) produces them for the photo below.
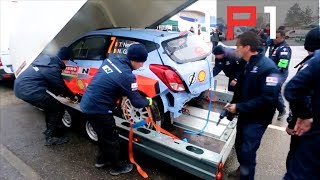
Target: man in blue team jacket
<point x="43" y="74"/>
<point x="255" y="100"/>
<point x="303" y="95"/>
<point x="113" y="80"/>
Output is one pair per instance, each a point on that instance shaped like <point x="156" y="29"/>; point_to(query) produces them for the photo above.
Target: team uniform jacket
<point x="231" y="65"/>
<point x="43" y="74"/>
<point x="256" y="96"/>
<point x="306" y="84"/>
<point x="280" y="54"/>
<point x="113" y="80"/>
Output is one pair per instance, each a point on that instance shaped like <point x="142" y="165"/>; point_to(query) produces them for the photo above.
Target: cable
<point x="209" y="107"/>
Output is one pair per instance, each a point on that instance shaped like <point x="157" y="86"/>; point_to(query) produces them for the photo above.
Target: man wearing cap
<point x="113" y="80"/>
<point x="303" y="110"/>
<point x="31" y="85"/>
<point x="226" y="60"/>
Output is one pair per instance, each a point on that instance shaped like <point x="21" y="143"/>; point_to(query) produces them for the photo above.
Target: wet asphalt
<point x="24" y="156"/>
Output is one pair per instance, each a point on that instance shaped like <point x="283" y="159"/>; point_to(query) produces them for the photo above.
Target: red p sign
<point x="239" y="22"/>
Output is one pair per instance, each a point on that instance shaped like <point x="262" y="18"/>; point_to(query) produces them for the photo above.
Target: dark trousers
<point x="54" y="111"/>
<point x="281" y="106"/>
<point x="105" y="127"/>
<point x="247" y="143"/>
<point x="305" y="164"/>
<point x="294" y="143"/>
<point x="231" y="88"/>
<point x="214" y="44"/>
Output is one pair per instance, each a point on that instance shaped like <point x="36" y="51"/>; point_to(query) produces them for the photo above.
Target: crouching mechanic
<point x="228" y="61"/>
<point x="43" y="74"/>
<point x="113" y="80"/>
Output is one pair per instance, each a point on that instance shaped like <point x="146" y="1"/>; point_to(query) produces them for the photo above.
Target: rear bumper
<point x="5" y="75"/>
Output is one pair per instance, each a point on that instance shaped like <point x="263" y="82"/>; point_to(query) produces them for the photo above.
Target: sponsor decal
<point x="134" y="86"/>
<point x="83" y="70"/>
<point x="192" y="79"/>
<point x="254" y="69"/>
<point x="271" y="81"/>
<point x="107" y="69"/>
<point x="81" y="84"/>
<point x="201" y="76"/>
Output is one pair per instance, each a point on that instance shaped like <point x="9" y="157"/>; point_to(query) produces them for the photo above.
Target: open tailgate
<point x="51" y="24"/>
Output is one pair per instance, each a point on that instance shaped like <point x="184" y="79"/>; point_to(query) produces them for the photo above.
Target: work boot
<point x="121" y="169"/>
<point x="101" y="163"/>
<point x="281" y="115"/>
<point x="56" y="141"/>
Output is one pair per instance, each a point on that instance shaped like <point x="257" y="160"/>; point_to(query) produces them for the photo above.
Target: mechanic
<point x="280" y="53"/>
<point x="312" y="43"/>
<point x="44" y="73"/>
<point x="113" y="80"/>
<point x="255" y="101"/>
<point x="228" y="61"/>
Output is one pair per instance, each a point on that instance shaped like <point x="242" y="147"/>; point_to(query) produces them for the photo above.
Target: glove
<point x="150" y="101"/>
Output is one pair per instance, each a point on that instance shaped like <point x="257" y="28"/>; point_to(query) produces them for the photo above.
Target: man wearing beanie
<point x="227" y="61"/>
<point x="43" y="74"/>
<point x="312" y="43"/>
<point x="113" y="80"/>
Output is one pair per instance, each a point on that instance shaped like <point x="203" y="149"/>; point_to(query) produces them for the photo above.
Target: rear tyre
<point x="132" y="114"/>
<point x="66" y="119"/>
<point x="90" y="132"/>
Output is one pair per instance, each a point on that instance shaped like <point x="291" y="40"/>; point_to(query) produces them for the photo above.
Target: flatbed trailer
<point x="201" y="155"/>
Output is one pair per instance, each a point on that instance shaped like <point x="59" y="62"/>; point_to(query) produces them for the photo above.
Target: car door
<point x="87" y="56"/>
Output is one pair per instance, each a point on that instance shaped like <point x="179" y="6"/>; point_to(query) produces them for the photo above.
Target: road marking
<point x="17" y="163"/>
<point x="277" y="127"/>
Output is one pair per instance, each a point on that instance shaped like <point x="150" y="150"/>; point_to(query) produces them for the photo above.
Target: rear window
<point x="186" y="48"/>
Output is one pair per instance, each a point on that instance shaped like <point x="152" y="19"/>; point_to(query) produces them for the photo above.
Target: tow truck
<point x="43" y="26"/>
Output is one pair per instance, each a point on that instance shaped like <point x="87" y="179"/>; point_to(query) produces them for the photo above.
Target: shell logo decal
<point x="81" y="84"/>
<point x="201" y="76"/>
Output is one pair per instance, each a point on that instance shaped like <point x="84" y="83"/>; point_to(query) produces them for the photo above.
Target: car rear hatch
<point x="190" y="58"/>
<point x="57" y="23"/>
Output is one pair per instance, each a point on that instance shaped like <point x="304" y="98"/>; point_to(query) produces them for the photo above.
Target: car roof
<point x="145" y="34"/>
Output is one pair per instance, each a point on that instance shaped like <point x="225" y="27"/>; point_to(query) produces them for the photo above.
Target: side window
<point x="89" y="48"/>
<point x="118" y="46"/>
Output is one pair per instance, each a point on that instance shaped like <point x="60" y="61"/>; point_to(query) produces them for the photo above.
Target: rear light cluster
<point x="0" y="62"/>
<point x="219" y="172"/>
<point x="169" y="77"/>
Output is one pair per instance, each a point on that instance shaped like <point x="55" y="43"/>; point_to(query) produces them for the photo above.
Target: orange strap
<point x="158" y="128"/>
<point x="139" y="169"/>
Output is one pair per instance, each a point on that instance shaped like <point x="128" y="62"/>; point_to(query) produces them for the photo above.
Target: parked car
<point x="6" y="71"/>
<point x="177" y="64"/>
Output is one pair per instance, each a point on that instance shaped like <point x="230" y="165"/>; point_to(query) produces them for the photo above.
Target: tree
<point x="260" y="21"/>
<point x="295" y="16"/>
<point x="308" y="15"/>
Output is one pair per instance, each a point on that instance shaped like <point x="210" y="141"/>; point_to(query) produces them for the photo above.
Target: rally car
<point x="177" y="68"/>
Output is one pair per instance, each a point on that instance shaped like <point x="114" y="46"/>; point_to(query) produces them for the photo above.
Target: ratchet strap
<point x="139" y="169"/>
<point x="158" y="128"/>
